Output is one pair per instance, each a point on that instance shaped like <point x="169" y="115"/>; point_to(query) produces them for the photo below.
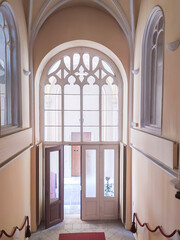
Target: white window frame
<point x="152" y="72"/>
<point x="117" y="81"/>
<point x="13" y="118"/>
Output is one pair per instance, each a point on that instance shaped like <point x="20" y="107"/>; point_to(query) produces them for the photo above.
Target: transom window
<point x="80" y="94"/>
<point x="9" y="72"/>
<point x="152" y="72"/>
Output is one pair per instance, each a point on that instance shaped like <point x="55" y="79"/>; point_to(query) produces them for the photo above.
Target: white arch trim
<point x="82" y="43"/>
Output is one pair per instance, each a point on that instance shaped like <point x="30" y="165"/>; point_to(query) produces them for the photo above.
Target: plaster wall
<point x="15" y="176"/>
<point x="81" y="23"/>
<point x="153" y="197"/>
<point x="43" y="7"/>
<point x="15" y="194"/>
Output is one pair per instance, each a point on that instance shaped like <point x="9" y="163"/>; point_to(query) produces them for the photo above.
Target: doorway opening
<point x="81" y="96"/>
<point x="72" y="180"/>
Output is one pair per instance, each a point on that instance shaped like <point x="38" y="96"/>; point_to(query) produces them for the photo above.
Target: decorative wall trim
<point x="159" y="164"/>
<point x="15" y="156"/>
<point x="10" y="148"/>
<point x="163" y="152"/>
<point x="161" y="149"/>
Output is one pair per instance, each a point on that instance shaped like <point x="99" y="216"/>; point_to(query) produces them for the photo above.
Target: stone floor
<point x="113" y="229"/>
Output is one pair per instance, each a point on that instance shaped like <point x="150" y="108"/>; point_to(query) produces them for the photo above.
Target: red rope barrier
<point x="28" y="233"/>
<point x="133" y="228"/>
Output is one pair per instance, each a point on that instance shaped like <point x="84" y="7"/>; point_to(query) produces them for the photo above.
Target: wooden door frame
<point x="84" y="199"/>
<point x="100" y="179"/>
<point x="104" y="199"/>
<point x="59" y="148"/>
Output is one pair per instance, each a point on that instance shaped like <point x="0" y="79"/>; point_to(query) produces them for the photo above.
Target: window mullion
<point x="155" y="85"/>
<point x="100" y="114"/>
<point x="7" y="110"/>
<point x="0" y="113"/>
<point x="81" y="112"/>
<point x="62" y="114"/>
<point x="153" y="90"/>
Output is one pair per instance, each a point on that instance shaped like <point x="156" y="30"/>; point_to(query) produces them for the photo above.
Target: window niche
<point x="152" y="72"/>
<point x="10" y="114"/>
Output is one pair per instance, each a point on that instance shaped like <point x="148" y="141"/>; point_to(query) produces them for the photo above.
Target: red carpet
<point x="82" y="236"/>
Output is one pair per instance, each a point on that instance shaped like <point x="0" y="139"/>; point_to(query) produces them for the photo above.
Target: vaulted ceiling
<point x="38" y="11"/>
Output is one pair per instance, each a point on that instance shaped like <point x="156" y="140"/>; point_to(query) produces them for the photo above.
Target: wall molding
<point x="15" y="156"/>
<point x="171" y="172"/>
<point x="10" y="148"/>
<point x="161" y="150"/>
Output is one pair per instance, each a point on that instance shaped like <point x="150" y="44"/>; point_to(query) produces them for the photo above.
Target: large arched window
<point x="9" y="72"/>
<point x="152" y="72"/>
<point x="80" y="93"/>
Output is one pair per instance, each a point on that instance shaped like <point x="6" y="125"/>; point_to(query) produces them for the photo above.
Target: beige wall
<point x="153" y="195"/>
<point x="15" y="193"/>
<point x="81" y="23"/>
<point x="15" y="176"/>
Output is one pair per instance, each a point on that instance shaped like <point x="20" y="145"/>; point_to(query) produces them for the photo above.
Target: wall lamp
<point x="26" y="73"/>
<point x="172" y="46"/>
<point x="135" y="71"/>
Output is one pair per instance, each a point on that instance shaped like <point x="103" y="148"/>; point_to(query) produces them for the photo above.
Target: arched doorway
<point x="82" y="104"/>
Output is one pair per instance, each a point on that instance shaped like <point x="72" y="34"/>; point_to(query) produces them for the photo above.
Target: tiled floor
<point x="72" y="223"/>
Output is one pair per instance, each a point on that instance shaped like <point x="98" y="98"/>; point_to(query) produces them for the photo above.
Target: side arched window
<point x="152" y="72"/>
<point x="10" y="118"/>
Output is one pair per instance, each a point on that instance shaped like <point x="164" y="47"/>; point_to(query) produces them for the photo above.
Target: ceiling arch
<point x="46" y="10"/>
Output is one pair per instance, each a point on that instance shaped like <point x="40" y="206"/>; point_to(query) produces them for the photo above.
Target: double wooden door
<point x="99" y="179"/>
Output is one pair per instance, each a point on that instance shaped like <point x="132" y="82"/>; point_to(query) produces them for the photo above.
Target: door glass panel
<point x="109" y="173"/>
<point x="91" y="173"/>
<point x="54" y="176"/>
